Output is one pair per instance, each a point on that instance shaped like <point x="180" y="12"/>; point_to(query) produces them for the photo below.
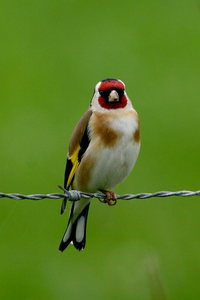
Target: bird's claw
<point x="111" y="198"/>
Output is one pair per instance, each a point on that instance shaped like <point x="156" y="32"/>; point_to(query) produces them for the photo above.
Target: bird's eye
<point x="104" y="93"/>
<point x="120" y="93"/>
<point x="101" y="93"/>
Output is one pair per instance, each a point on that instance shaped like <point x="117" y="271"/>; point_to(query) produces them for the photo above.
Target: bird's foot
<point x="111" y="198"/>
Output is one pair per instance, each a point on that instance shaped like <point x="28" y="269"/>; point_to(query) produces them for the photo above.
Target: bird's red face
<point x="112" y="95"/>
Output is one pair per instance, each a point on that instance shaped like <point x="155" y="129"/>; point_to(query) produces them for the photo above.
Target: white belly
<point x="113" y="165"/>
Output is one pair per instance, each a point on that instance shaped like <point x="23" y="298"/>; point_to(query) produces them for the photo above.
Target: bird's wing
<point x="78" y="144"/>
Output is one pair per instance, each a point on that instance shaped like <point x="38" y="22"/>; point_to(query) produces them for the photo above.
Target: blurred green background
<point x="52" y="55"/>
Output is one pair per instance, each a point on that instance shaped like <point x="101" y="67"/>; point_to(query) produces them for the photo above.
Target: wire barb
<point x="74" y="195"/>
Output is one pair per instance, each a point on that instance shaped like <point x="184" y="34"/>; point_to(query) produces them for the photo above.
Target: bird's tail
<point x="76" y="229"/>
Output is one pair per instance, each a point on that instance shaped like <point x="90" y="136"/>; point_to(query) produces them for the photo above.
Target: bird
<point x="103" y="150"/>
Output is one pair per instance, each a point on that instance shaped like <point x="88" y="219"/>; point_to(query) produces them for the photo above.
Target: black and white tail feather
<point x="76" y="231"/>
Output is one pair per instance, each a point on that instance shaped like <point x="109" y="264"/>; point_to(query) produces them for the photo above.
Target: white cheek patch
<point x="97" y="86"/>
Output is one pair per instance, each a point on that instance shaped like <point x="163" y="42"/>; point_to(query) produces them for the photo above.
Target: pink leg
<point x="111" y="198"/>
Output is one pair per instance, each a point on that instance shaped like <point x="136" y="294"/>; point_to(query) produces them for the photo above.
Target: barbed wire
<point x="74" y="195"/>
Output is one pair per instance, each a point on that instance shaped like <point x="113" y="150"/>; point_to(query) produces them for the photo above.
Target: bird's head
<point x="110" y="94"/>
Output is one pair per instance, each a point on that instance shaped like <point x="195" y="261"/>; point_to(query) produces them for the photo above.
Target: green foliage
<point x="52" y="55"/>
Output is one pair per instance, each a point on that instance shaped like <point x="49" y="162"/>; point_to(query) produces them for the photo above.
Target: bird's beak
<point x="113" y="96"/>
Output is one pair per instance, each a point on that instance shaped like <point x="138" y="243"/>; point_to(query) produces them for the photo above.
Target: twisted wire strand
<point x="74" y="195"/>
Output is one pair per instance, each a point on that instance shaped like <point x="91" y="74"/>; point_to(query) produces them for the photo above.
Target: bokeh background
<point x="52" y="55"/>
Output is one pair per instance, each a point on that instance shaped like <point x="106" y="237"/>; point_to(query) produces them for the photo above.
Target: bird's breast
<point x="112" y="152"/>
<point x="108" y="128"/>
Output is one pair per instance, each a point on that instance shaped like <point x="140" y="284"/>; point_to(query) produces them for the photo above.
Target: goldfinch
<point x="103" y="150"/>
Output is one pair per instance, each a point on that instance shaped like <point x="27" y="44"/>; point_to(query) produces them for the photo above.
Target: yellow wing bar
<point x="75" y="163"/>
